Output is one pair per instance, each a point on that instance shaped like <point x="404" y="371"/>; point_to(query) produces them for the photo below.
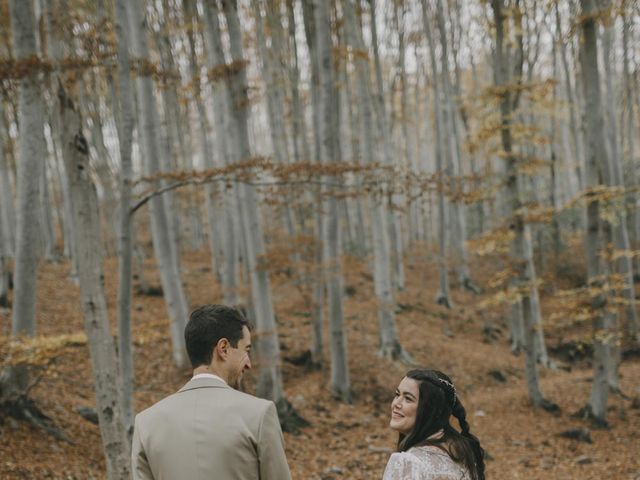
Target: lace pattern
<point x="424" y="463"/>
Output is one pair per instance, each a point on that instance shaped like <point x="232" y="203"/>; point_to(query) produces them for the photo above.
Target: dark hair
<point x="437" y="401"/>
<point x="207" y="325"/>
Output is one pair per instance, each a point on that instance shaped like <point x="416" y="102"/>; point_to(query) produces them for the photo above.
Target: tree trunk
<point x="633" y="205"/>
<point x="572" y="105"/>
<point x="329" y="152"/>
<point x="596" y="163"/>
<point x="452" y="149"/>
<point x="213" y="194"/>
<point x="225" y="139"/>
<point x="382" y="268"/>
<point x="6" y="222"/>
<point x="317" y="317"/>
<point x="104" y="361"/>
<point x="624" y="264"/>
<point x="521" y="249"/>
<point x="31" y="157"/>
<point x="7" y="211"/>
<point x="443" y="296"/>
<point x="126" y="234"/>
<point x="394" y="221"/>
<point x="163" y="241"/>
<point x="267" y="344"/>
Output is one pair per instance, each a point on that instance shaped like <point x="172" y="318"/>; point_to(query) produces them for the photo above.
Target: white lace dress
<point x="424" y="463"/>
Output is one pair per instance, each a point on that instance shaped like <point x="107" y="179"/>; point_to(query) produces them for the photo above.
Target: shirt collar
<point x="208" y="375"/>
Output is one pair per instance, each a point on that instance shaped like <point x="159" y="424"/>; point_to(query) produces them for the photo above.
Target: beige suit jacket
<point x="208" y="430"/>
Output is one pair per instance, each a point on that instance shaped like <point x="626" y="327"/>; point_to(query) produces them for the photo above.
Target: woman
<point x="429" y="448"/>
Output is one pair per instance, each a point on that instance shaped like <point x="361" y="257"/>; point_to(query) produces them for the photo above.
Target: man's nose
<point x="248" y="365"/>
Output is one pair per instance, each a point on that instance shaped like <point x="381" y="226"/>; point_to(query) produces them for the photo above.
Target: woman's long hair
<point x="437" y="402"/>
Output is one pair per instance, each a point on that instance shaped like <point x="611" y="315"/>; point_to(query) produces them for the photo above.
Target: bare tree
<point x="30" y="170"/>
<point x="443" y="295"/>
<point x="521" y="250"/>
<point x="150" y="135"/>
<point x="596" y="162"/>
<point x="382" y="268"/>
<point x="126" y="236"/>
<point x="104" y="361"/>
<point x="330" y="152"/>
<point x="267" y="345"/>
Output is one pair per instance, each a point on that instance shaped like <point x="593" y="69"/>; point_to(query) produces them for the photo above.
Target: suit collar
<point x="205" y="382"/>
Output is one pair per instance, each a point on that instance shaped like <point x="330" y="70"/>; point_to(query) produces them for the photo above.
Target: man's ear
<point x="222" y="348"/>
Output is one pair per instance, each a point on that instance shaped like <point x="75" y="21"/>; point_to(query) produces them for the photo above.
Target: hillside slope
<point x="343" y="441"/>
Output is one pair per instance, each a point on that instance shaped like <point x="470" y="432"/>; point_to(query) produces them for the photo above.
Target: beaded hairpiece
<point x="452" y="387"/>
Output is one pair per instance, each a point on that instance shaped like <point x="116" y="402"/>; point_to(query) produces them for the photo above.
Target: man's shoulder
<point x="230" y="396"/>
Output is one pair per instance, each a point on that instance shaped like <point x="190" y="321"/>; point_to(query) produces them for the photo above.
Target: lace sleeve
<point x="401" y="467"/>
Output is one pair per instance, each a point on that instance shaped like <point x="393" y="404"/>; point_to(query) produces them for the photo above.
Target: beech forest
<point x="377" y="184"/>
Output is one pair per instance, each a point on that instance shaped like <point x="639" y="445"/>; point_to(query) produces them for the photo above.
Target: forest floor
<point x="345" y="441"/>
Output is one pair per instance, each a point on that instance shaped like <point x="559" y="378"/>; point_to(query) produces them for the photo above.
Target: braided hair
<point x="438" y="400"/>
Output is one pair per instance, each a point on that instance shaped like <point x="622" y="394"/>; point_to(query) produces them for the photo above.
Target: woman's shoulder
<point x="402" y="465"/>
<point x="437" y="461"/>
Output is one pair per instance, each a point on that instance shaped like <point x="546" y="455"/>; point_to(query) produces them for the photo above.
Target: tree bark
<point x="150" y="135"/>
<point x="396" y="243"/>
<point x="329" y="152"/>
<point x="632" y="200"/>
<point x="317" y="314"/>
<point x="521" y="249"/>
<point x="267" y="344"/>
<point x="596" y="162"/>
<point x="453" y="157"/>
<point x="126" y="234"/>
<point x="443" y="295"/>
<point x="32" y="152"/>
<point x="624" y="264"/>
<point x="104" y="361"/>
<point x="382" y="268"/>
<point x="225" y="141"/>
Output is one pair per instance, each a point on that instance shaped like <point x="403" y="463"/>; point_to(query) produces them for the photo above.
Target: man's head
<point x="218" y="339"/>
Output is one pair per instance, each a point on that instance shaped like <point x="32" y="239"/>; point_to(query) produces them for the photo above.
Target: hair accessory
<point x="453" y="389"/>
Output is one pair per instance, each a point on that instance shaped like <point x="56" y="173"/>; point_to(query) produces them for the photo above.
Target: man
<point x="209" y="430"/>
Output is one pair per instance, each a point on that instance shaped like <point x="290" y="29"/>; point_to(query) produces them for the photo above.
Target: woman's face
<point x="405" y="406"/>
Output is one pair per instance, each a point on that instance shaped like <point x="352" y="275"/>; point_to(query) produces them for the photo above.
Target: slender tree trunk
<point x="624" y="264"/>
<point x="454" y="159"/>
<point x="126" y="234"/>
<point x="104" y="361"/>
<point x="225" y="139"/>
<point x="409" y="150"/>
<point x="382" y="267"/>
<point x="394" y="221"/>
<point x="56" y="41"/>
<point x="317" y="314"/>
<point x="213" y="194"/>
<point x="163" y="242"/>
<point x="572" y="105"/>
<point x="267" y="344"/>
<point x="556" y="233"/>
<point x="632" y="200"/>
<point x="31" y="157"/>
<point x="272" y="69"/>
<point x="329" y="152"/>
<point x="7" y="210"/>
<point x="525" y="276"/>
<point x="596" y="163"/>
<point x="6" y="221"/>
<point x="443" y="296"/>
